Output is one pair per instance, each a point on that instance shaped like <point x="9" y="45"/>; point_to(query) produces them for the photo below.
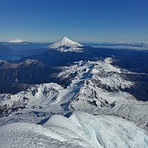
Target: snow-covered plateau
<point x="93" y="111"/>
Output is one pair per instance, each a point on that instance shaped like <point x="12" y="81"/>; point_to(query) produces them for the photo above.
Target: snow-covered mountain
<point x="65" y="45"/>
<point x="85" y="113"/>
<point x="16" y="41"/>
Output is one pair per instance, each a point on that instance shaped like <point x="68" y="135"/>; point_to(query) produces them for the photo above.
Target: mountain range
<point x="71" y="95"/>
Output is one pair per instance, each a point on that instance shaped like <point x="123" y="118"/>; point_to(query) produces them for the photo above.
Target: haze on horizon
<point x="80" y="20"/>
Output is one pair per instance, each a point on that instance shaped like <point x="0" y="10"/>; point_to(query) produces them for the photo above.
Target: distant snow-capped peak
<point x="65" y="44"/>
<point x="16" y="41"/>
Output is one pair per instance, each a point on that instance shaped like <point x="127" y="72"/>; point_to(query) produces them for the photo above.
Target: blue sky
<point x="80" y="20"/>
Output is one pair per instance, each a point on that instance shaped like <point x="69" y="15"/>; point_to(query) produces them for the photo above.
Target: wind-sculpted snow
<point x="80" y="130"/>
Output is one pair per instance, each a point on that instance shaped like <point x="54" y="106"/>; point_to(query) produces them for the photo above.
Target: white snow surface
<point x="80" y="130"/>
<point x="65" y="45"/>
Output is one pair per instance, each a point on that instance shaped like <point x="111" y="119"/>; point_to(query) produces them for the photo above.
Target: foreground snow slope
<point x="79" y="130"/>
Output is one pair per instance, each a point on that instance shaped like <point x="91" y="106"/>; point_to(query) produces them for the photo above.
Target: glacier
<point x="79" y="130"/>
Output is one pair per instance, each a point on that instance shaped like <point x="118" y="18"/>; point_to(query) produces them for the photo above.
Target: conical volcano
<point x="66" y="44"/>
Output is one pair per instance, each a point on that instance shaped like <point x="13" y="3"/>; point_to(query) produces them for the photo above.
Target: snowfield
<point x="93" y="111"/>
<point x="79" y="130"/>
